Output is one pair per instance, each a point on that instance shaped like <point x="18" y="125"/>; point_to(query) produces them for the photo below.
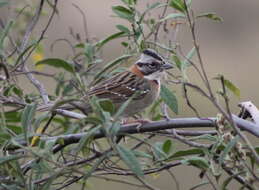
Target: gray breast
<point x="138" y="105"/>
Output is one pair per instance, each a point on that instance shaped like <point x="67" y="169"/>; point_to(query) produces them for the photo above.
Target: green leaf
<point x="154" y="5"/>
<point x="3" y="35"/>
<point x="113" y="129"/>
<point x="109" y="38"/>
<point x="123" y="28"/>
<point x="232" y="87"/>
<point x="93" y="120"/>
<point x="13" y="89"/>
<point x="211" y="16"/>
<point x="130" y="160"/>
<point x="172" y="16"/>
<point x="149" y="8"/>
<point x="107" y="105"/>
<point x="189" y="56"/>
<point x="178" y="5"/>
<point x="97" y="108"/>
<point x="142" y="154"/>
<point x="58" y="63"/>
<point x="89" y="51"/>
<point x="12" y="116"/>
<point x="21" y="55"/>
<point x="205" y="137"/>
<point x="27" y="118"/>
<point x="123" y="12"/>
<point x="169" y="98"/>
<point x="188" y="152"/>
<point x="167" y="146"/>
<point x="15" y="128"/>
<point x="83" y="141"/>
<point x="5" y="159"/>
<point x="3" y="3"/>
<point x="129" y="2"/>
<point x="80" y="45"/>
<point x="67" y="89"/>
<point x="229" y="85"/>
<point x="111" y="64"/>
<point x="198" y="162"/>
<point x="177" y="61"/>
<point x="159" y="152"/>
<point x="227" y="149"/>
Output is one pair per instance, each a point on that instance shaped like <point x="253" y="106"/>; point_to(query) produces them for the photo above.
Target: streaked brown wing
<point x="120" y="87"/>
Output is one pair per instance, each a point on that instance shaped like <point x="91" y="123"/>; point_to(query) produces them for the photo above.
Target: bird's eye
<point x="140" y="64"/>
<point x="153" y="64"/>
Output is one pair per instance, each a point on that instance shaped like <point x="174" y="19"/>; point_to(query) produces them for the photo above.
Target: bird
<point x="141" y="82"/>
<point x="249" y="110"/>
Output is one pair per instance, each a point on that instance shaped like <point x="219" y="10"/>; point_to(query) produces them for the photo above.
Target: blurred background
<point x="230" y="48"/>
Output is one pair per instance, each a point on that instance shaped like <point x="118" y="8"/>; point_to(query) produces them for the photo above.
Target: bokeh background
<point x="230" y="48"/>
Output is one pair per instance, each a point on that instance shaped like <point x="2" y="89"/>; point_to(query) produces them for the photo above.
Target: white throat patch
<point x="155" y="76"/>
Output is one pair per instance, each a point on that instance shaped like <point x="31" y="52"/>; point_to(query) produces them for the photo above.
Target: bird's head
<point x="151" y="65"/>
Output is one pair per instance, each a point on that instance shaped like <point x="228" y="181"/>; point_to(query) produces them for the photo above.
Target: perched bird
<point x="141" y="80"/>
<point x="249" y="110"/>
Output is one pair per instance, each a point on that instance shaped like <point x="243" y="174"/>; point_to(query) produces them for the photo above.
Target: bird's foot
<point x="139" y="122"/>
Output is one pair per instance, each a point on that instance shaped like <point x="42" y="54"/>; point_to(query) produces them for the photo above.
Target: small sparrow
<point x="249" y="110"/>
<point x="141" y="80"/>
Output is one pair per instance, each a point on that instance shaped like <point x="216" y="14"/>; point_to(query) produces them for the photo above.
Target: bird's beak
<point x="167" y="66"/>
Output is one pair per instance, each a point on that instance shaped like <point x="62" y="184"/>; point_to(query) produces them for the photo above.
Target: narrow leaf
<point x="123" y="28"/>
<point x="9" y="158"/>
<point x="130" y="160"/>
<point x="178" y="5"/>
<point x="85" y="139"/>
<point x="159" y="152"/>
<point x="189" y="56"/>
<point x="3" y="35"/>
<point x="227" y="149"/>
<point x="32" y="45"/>
<point x="142" y="154"/>
<point x="199" y="162"/>
<point x="169" y="98"/>
<point x="123" y="12"/>
<point x="3" y="3"/>
<point x="167" y="146"/>
<point x="188" y="152"/>
<point x="229" y="85"/>
<point x="107" y="105"/>
<point x="172" y="16"/>
<point x="112" y="64"/>
<point x="177" y="62"/>
<point x="211" y="16"/>
<point x="109" y="38"/>
<point x="27" y="118"/>
<point x="58" y="63"/>
<point x="151" y="7"/>
<point x="235" y="90"/>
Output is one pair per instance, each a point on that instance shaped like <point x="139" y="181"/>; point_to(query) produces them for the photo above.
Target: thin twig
<point x="146" y="184"/>
<point x="190" y="143"/>
<point x="24" y="43"/>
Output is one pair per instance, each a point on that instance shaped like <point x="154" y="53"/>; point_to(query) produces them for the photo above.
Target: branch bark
<point x="179" y="123"/>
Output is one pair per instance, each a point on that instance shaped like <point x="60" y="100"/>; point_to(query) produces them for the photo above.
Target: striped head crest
<point x="152" y="65"/>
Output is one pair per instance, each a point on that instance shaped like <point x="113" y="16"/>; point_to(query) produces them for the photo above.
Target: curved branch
<point x="178" y="123"/>
<point x="157" y="126"/>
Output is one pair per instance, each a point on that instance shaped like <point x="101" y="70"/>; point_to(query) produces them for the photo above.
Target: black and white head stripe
<point x="153" y="54"/>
